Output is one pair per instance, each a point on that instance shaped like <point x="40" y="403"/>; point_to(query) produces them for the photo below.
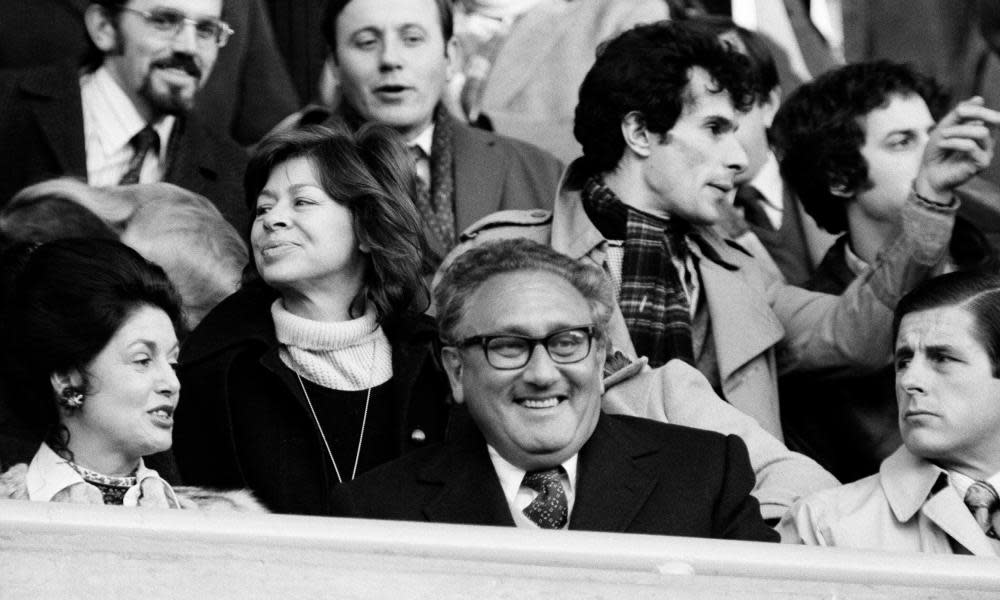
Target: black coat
<point x="285" y="465"/>
<point x="41" y="137"/>
<point x="634" y="476"/>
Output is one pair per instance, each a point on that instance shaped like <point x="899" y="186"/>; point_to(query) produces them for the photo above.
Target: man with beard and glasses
<point x="126" y="116"/>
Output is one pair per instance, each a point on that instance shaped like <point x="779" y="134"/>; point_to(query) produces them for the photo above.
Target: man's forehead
<point x="533" y="302"/>
<point x="388" y="14"/>
<point x="191" y="8"/>
<point x="900" y="111"/>
<point x="703" y="94"/>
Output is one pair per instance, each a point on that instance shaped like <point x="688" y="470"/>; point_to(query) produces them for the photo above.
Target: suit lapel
<point x="948" y="512"/>
<point x="611" y="485"/>
<point x="59" y="113"/>
<point x="742" y="329"/>
<point x="470" y="491"/>
<point x="479" y="174"/>
<point x="189" y="163"/>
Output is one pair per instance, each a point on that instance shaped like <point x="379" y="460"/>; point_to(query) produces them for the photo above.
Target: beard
<point x="166" y="99"/>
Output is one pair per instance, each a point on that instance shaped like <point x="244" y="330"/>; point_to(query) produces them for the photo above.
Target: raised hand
<point x="960" y="146"/>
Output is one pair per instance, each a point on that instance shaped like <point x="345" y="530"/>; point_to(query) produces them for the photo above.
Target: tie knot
<point x="550" y="509"/>
<point x="543" y="480"/>
<point x="984" y="504"/>
<point x="982" y="495"/>
<point x="147" y="139"/>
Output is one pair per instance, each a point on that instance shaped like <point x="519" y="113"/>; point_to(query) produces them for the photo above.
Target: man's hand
<point x="960" y="146"/>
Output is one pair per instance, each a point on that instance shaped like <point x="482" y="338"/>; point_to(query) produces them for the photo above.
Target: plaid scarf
<point x="653" y="301"/>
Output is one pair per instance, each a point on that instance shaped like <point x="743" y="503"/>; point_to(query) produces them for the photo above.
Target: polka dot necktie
<point x="984" y="504"/>
<point x="549" y="510"/>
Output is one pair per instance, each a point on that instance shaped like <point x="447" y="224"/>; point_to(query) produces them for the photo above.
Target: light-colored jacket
<point x="760" y="326"/>
<point x="906" y="506"/>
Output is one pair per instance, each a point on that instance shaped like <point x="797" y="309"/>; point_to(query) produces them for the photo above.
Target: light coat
<point x="905" y="507"/>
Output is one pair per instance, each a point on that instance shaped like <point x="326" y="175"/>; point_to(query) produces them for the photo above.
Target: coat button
<point x="418" y="436"/>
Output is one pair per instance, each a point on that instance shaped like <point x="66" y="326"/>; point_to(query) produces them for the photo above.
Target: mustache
<point x="179" y="60"/>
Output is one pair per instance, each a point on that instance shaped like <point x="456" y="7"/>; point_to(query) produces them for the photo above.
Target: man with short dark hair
<point x="525" y="334"/>
<point x="656" y="119"/>
<point x="127" y="117"/>
<point x="392" y="60"/>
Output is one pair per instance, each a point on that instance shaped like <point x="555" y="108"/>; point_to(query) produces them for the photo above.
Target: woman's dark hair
<point x="371" y="173"/>
<point x="977" y="293"/>
<point x="63" y="301"/>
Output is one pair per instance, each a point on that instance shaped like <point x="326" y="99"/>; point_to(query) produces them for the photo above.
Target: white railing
<point x="55" y="550"/>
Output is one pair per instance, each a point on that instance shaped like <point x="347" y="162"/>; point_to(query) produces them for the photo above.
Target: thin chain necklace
<point x="364" y="420"/>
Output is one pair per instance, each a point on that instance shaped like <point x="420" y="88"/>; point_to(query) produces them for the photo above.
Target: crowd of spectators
<point x="688" y="268"/>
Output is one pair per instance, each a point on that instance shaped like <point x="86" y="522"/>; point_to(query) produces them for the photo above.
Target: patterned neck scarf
<point x="653" y="300"/>
<point x="437" y="203"/>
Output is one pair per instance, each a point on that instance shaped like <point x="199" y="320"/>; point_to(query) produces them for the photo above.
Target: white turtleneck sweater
<point x="348" y="355"/>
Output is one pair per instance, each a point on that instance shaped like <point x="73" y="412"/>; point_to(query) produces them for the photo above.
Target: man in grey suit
<point x="393" y="59"/>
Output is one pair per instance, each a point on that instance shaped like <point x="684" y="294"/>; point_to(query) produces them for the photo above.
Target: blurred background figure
<point x="321" y="368"/>
<point x="178" y="230"/>
<point x="521" y="62"/>
<point x="937" y="493"/>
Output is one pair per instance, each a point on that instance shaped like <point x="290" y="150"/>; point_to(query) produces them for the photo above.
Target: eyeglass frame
<point x="221" y="38"/>
<point x="483" y="342"/>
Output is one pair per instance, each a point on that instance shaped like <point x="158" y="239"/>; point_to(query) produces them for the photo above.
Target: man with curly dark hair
<point x="854" y="142"/>
<point x="656" y="119"/>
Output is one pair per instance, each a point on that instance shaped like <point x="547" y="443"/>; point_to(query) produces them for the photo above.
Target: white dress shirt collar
<point x="110" y="121"/>
<point x="48" y="474"/>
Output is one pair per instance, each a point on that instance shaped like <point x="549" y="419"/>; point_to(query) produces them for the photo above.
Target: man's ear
<point x="452" y="362"/>
<point x="101" y="28"/>
<point x="769" y="107"/>
<point x="637" y="138"/>
<point x="453" y="56"/>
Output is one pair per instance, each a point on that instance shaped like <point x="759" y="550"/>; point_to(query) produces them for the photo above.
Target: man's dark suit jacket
<point x="634" y="476"/>
<point x="41" y="136"/>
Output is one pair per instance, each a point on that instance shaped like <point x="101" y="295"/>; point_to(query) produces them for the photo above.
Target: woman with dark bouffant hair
<point x="320" y="368"/>
<point x="89" y="348"/>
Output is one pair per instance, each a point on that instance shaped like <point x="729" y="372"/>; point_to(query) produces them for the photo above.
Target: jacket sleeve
<point x="678" y="393"/>
<point x="803" y="524"/>
<point x="737" y="513"/>
<point x="854" y="329"/>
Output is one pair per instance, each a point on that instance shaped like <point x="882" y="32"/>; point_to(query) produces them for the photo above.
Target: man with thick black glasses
<point x="125" y="117"/>
<point x="525" y="334"/>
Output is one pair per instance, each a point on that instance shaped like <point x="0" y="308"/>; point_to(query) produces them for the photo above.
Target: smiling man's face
<point x="541" y="414"/>
<point x="393" y="62"/>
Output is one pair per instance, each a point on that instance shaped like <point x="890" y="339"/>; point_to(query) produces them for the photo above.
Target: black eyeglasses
<point x="508" y="352"/>
<point x="169" y="23"/>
